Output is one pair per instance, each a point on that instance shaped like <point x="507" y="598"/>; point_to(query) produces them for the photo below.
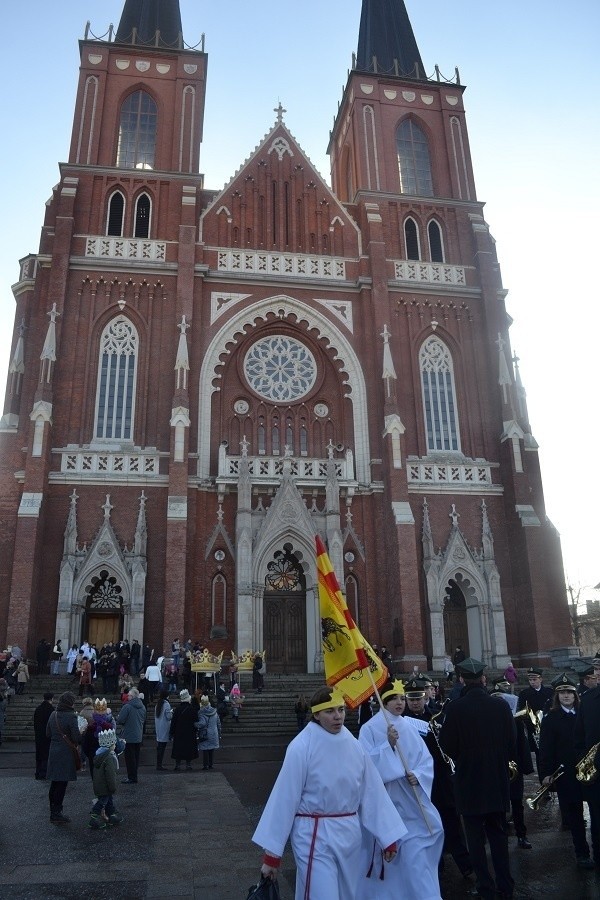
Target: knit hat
<point x="235" y="690"/>
<point x="67" y="700"/>
<point x="185" y="696"/>
<point x="100" y="705"/>
<point x="87" y="701"/>
<point x="107" y="738"/>
<point x="204" y="701"/>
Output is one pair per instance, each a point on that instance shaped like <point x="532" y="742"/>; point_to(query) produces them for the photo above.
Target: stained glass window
<point x="284" y="572"/>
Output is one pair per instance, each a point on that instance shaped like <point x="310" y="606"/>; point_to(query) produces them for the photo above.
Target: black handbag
<point x="266" y="889"/>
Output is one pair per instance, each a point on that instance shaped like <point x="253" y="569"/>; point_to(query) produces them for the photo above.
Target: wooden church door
<point x="284" y="614"/>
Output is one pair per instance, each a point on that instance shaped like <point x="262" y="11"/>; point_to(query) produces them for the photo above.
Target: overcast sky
<point x="533" y="85"/>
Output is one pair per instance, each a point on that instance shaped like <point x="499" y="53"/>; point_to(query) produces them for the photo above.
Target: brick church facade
<point x="201" y="381"/>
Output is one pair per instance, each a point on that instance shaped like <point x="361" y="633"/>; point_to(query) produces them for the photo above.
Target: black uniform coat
<point x="557" y="745"/>
<point x="479" y="735"/>
<point x="587" y="728"/>
<point x="40" y="720"/>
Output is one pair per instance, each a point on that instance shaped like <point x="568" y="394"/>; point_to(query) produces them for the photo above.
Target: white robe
<point x="413" y="874"/>
<point x="325" y="773"/>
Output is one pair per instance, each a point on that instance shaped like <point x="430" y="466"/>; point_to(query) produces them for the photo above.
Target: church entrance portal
<point x="284" y="613"/>
<point x="456" y="629"/>
<point x="103" y="620"/>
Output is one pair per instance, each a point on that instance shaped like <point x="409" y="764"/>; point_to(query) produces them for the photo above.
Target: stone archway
<point x="284" y="612"/>
<point x="102" y="620"/>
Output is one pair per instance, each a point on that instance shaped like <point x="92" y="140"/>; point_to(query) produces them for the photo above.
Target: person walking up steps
<point x="105" y="782"/>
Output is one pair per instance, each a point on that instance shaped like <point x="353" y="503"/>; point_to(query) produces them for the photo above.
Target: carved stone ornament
<point x="241" y="407"/>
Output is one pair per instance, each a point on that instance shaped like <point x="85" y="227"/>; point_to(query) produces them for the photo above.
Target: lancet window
<point x="117" y="366"/>
<point x="137" y="132"/>
<point x="413" y="160"/>
<point x="439" y="396"/>
<point x="116" y="211"/>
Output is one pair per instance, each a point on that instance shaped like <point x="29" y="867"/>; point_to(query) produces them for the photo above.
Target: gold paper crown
<point x="336" y="699"/>
<point x="100" y="705"/>
<point x="396" y="688"/>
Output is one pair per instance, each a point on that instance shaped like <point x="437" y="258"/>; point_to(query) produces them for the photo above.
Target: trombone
<point x="534" y="802"/>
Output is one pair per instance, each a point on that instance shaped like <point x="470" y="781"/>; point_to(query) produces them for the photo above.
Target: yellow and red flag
<point x="351" y="664"/>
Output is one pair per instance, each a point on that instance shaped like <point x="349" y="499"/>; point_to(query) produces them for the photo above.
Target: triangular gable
<point x="279" y="159"/>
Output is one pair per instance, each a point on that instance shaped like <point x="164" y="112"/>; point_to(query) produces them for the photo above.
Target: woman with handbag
<point x="63" y="759"/>
<point x="163" y="714"/>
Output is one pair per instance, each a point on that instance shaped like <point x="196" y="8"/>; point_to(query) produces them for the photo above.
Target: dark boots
<point x="56" y="815"/>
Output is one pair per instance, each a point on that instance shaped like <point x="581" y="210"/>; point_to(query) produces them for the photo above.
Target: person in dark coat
<point x="42" y="655"/>
<point x="458" y="656"/>
<point x="442" y="790"/>
<point x="183" y="732"/>
<point x="131" y="720"/>
<point x="538" y="698"/>
<point x="42" y="742"/>
<point x="479" y="735"/>
<point x="64" y="735"/>
<point x="557" y="747"/>
<point x="258" y="681"/>
<point x="587" y="736"/>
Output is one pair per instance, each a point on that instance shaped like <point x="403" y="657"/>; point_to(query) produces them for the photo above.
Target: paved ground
<point x="188" y="835"/>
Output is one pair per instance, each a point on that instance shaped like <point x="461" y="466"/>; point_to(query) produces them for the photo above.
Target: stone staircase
<point x="268" y="713"/>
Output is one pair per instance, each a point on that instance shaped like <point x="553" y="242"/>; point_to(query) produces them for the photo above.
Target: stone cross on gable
<point x="107" y="507"/>
<point x="500" y="343"/>
<point x="280" y="111"/>
<point x="288" y="452"/>
<point x="454" y="516"/>
<point x="53" y="314"/>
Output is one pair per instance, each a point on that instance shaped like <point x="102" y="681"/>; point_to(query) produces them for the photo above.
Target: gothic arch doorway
<point x="284" y="612"/>
<point x="103" y="617"/>
<point x="456" y="627"/>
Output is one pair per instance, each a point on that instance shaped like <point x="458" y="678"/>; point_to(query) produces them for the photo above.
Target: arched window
<point x="352" y="596"/>
<point x="436" y="248"/>
<point x="142" y="217"/>
<point x="219" y="603"/>
<point x="439" y="396"/>
<point x="116" y="210"/>
<point x="411" y="238"/>
<point x="117" y="366"/>
<point x="413" y="160"/>
<point x="137" y="132"/>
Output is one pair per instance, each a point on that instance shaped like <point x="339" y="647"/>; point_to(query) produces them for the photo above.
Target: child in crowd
<point x="235" y="701"/>
<point x="105" y="781"/>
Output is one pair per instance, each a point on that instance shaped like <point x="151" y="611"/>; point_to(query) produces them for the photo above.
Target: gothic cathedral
<point x="201" y="381"/>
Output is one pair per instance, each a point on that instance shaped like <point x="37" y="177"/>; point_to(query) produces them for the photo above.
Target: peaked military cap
<point x="502" y="684"/>
<point x="564" y="683"/>
<point x="583" y="667"/>
<point x="470" y="667"/>
<point x="534" y="670"/>
<point x="415" y="688"/>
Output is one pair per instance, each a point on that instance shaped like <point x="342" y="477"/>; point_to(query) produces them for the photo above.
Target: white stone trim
<point x="230" y="333"/>
<point x="141" y="250"/>
<point x="528" y="516"/>
<point x="30" y="505"/>
<point x="429" y="273"/>
<point x="177" y="509"/>
<point x="402" y="512"/>
<point x="296" y="265"/>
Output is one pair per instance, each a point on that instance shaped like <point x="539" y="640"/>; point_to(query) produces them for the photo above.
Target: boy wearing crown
<point x="105" y="781"/>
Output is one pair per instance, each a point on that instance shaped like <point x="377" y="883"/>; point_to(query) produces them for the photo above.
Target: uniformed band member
<point x="442" y="791"/>
<point x="587" y="676"/>
<point x="538" y="697"/>
<point x="502" y="687"/>
<point x="557" y="746"/>
<point x="587" y="741"/>
<point x="479" y="734"/>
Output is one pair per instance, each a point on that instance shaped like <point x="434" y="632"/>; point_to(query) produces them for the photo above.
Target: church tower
<point x="203" y="380"/>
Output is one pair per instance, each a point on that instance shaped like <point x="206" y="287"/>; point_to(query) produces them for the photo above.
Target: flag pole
<point x="399" y="752"/>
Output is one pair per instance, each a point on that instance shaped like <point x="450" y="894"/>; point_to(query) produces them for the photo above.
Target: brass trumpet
<point x="533" y="802"/>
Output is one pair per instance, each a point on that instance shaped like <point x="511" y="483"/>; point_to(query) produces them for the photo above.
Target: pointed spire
<point x="521" y="395"/>
<point x="154" y="23"/>
<point x="17" y="364"/>
<point x="182" y="362"/>
<point x="486" y="533"/>
<point x="386" y="36"/>
<point x="389" y="371"/>
<point x="141" y="531"/>
<point x="70" y="543"/>
<point x="427" y="537"/>
<point x="49" y="348"/>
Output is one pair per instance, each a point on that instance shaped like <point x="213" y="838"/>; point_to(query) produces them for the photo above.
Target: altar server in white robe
<point x="326" y="789"/>
<point x="413" y="873"/>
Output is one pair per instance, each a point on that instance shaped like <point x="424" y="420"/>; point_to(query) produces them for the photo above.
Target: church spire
<point x="155" y="23"/>
<point x="386" y="42"/>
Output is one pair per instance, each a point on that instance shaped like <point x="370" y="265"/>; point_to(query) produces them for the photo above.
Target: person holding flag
<point x="326" y="790"/>
<point x="405" y="766"/>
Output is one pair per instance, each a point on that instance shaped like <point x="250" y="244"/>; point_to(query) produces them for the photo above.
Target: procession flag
<point x="348" y="657"/>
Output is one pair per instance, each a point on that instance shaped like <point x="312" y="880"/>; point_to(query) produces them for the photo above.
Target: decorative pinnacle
<point x="280" y="111"/>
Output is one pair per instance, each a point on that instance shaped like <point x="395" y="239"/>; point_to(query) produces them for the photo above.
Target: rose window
<point x="280" y="369"/>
